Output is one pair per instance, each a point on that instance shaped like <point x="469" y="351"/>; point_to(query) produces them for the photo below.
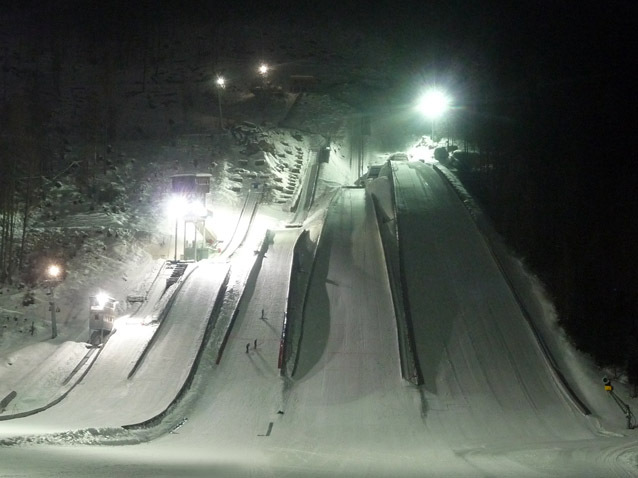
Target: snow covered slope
<point x="485" y="378"/>
<point x="488" y="407"/>
<point x="107" y="397"/>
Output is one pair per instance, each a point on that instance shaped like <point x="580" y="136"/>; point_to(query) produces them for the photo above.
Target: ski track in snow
<point x="488" y="405"/>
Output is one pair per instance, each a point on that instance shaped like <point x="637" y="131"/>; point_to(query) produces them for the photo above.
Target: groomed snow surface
<point x="488" y="406"/>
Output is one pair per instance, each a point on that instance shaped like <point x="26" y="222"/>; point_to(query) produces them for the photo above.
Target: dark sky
<point x="574" y="34"/>
<point x="562" y="46"/>
<point x="577" y="52"/>
<point x="569" y="60"/>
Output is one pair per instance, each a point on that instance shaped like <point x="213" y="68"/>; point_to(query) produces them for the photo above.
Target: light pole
<point x="53" y="272"/>
<point x="221" y="84"/>
<point x="433" y="104"/>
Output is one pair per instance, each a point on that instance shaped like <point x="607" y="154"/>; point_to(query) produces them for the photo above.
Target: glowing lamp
<point x="54" y="271"/>
<point x="434" y="103"/>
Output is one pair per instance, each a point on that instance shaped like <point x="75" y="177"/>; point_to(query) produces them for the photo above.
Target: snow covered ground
<point x="489" y="404"/>
<point x="345" y="411"/>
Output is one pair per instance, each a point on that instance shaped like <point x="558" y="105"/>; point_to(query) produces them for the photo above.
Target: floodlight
<point x="101" y="299"/>
<point x="54" y="271"/>
<point x="434" y="103"/>
<point x="177" y="206"/>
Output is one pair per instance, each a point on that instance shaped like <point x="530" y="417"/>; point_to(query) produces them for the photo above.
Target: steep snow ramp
<point x="246" y="217"/>
<point x="348" y="392"/>
<point x="485" y="377"/>
<point x="308" y="187"/>
<point x="105" y="397"/>
<point x="240" y="397"/>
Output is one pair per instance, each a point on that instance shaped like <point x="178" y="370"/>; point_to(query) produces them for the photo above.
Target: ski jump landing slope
<point x="106" y="397"/>
<point x="239" y="398"/>
<point x="488" y="408"/>
<point x="485" y="377"/>
<point x="346" y="408"/>
<point x="348" y="398"/>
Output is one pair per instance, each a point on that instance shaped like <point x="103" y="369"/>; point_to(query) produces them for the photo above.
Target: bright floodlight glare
<point x="263" y="69"/>
<point x="221" y="82"/>
<point x="54" y="270"/>
<point x="434" y="103"/>
<point x="196" y="208"/>
<point x="177" y="206"/>
<point x="101" y="299"/>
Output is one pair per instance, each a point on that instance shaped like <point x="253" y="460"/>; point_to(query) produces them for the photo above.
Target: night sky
<point x="582" y="48"/>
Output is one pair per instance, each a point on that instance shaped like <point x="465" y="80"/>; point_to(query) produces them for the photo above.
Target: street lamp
<point x="433" y="104"/>
<point x="221" y="84"/>
<point x="53" y="272"/>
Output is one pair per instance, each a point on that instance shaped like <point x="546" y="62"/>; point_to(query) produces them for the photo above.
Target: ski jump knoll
<point x="488" y="404"/>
